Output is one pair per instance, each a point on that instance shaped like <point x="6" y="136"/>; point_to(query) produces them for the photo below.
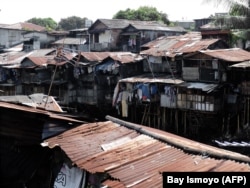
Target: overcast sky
<point x="14" y="11"/>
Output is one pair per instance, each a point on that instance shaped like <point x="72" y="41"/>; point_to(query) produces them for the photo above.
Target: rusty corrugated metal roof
<point x="135" y="155"/>
<point x="122" y="57"/>
<point x="16" y="58"/>
<point x="196" y="46"/>
<point x="45" y="60"/>
<point x="95" y="56"/>
<point x="26" y="26"/>
<point x="174" y="45"/>
<point x="9" y="105"/>
<point x="165" y="39"/>
<point x="230" y="55"/>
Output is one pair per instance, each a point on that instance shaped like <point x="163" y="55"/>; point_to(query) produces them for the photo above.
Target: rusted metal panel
<point x="230" y="55"/>
<point x="174" y="45"/>
<point x="35" y="111"/>
<point x="137" y="154"/>
<point x="40" y="61"/>
<point x="26" y="26"/>
<point x="122" y="57"/>
<point x="95" y="56"/>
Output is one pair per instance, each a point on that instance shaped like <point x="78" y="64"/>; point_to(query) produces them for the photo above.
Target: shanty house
<point x="210" y="30"/>
<point x="104" y="34"/>
<point x="211" y="89"/>
<point x="40" y="74"/>
<point x="211" y="65"/>
<point x="85" y="89"/>
<point x="10" y="74"/>
<point x="141" y="98"/>
<point x="126" y="35"/>
<point x="138" y="33"/>
<point x="165" y="54"/>
<point x="239" y="76"/>
<point x="100" y="71"/>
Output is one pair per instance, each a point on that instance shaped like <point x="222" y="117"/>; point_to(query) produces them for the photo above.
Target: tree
<point x="239" y="17"/>
<point x="143" y="13"/>
<point x="48" y="23"/>
<point x="72" y="22"/>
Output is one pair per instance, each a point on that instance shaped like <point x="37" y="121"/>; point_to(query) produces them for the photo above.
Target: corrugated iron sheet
<point x="173" y="45"/>
<point x="95" y="56"/>
<point x="14" y="57"/>
<point x="34" y="110"/>
<point x="26" y="26"/>
<point x="122" y="57"/>
<point x="230" y="55"/>
<point x="44" y="61"/>
<point x="136" y="155"/>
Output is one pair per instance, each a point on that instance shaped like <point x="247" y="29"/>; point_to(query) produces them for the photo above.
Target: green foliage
<point x="238" y="18"/>
<point x="72" y="22"/>
<point x="48" y="23"/>
<point x="143" y="13"/>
